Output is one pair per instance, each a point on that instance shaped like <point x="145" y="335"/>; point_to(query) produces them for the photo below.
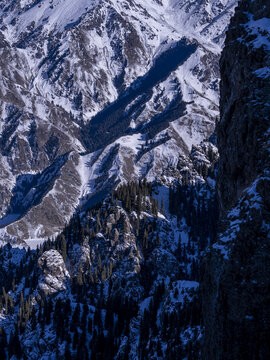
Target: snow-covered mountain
<point x="105" y="97"/>
<point x="97" y="92"/>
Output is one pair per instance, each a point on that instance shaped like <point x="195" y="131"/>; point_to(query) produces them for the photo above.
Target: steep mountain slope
<point x="236" y="285"/>
<point x="120" y="282"/>
<point x="63" y="63"/>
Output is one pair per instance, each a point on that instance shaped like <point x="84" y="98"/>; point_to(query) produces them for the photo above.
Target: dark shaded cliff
<point x="244" y="104"/>
<point x="236" y="283"/>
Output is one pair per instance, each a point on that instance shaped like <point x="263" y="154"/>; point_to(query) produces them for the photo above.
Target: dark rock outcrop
<point x="236" y="284"/>
<point x="245" y="88"/>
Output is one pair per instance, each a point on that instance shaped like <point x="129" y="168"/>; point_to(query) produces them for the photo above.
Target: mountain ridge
<point x="166" y="255"/>
<point x="60" y="84"/>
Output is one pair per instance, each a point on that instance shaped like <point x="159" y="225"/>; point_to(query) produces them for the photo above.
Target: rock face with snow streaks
<point x="63" y="62"/>
<point x="236" y="299"/>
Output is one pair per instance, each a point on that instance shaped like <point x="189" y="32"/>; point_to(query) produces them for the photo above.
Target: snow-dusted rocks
<point x="134" y="259"/>
<point x="54" y="272"/>
<point x="63" y="62"/>
<point x="180" y="293"/>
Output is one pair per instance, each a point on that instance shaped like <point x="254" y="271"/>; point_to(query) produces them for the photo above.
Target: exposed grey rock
<point x="54" y="273"/>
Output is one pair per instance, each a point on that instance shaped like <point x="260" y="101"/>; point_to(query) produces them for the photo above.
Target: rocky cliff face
<point x="236" y="296"/>
<point x="244" y="105"/>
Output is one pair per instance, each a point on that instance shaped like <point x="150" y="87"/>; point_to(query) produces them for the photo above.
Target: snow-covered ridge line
<point x="71" y="66"/>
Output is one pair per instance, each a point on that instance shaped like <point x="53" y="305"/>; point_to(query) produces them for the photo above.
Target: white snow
<point x="260" y="28"/>
<point x="93" y="63"/>
<point x="55" y="15"/>
<point x="134" y="142"/>
<point x="263" y="73"/>
<point x="33" y="244"/>
<point x="182" y="292"/>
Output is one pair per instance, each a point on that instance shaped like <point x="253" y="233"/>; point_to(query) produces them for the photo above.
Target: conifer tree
<point x="162" y="207"/>
<point x="5" y="299"/>
<point x="63" y="246"/>
<point x="80" y="276"/>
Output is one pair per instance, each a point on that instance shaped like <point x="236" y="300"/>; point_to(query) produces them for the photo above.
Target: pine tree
<point x="14" y="347"/>
<point x="76" y="315"/>
<point x="3" y="343"/>
<point x="103" y="274"/>
<point x="80" y="276"/>
<point x="75" y="339"/>
<point x="33" y="320"/>
<point x="99" y="262"/>
<point x="67" y="355"/>
<point x="63" y="246"/>
<point x="162" y="207"/>
<point x="21" y="310"/>
<point x="90" y="326"/>
<point x="145" y="238"/>
<point x="5" y="299"/>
